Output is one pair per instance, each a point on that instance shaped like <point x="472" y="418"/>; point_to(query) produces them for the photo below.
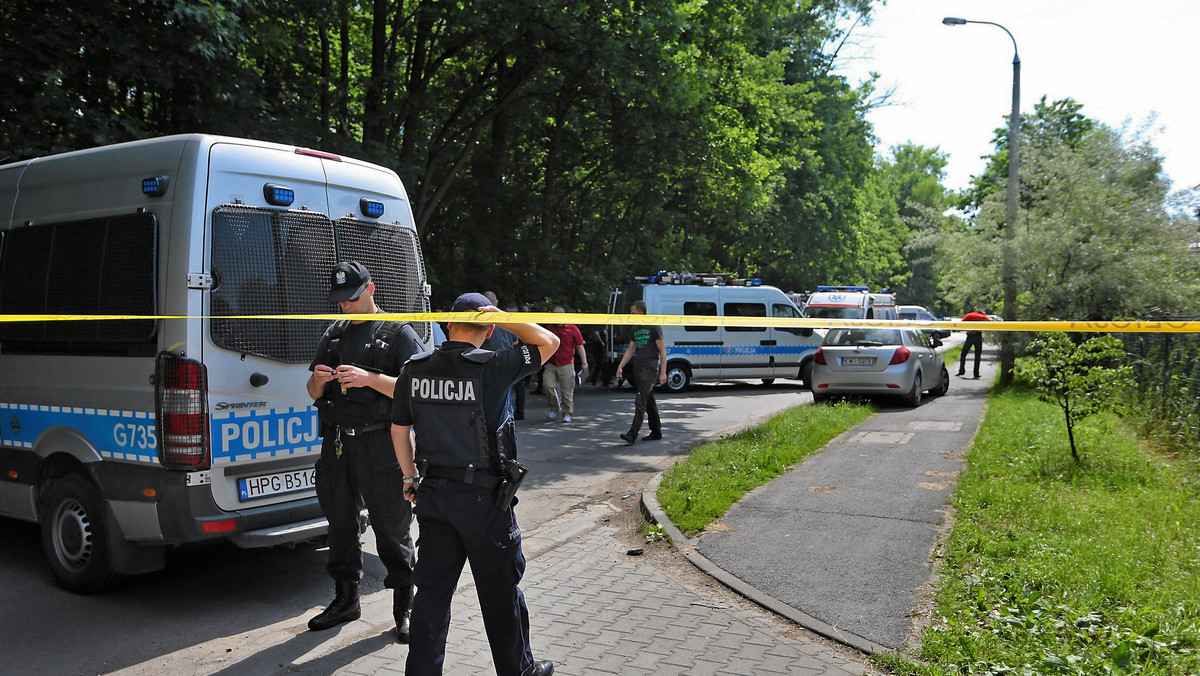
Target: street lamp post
<point x="1009" y="312"/>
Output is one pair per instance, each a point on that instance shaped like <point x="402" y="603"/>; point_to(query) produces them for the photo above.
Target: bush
<point x="1080" y="379"/>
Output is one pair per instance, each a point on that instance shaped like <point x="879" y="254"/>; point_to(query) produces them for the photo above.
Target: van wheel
<point x="806" y="374"/>
<point x="74" y="535"/>
<point x="768" y="381"/>
<point x="678" y="377"/>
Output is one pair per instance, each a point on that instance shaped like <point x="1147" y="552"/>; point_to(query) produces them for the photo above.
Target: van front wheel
<point x="678" y="377"/>
<point x="74" y="535"/>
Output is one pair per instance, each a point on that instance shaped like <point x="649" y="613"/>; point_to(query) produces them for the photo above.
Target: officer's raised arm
<point x="533" y="335"/>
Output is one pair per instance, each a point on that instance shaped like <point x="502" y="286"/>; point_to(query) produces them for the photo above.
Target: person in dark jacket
<point x="455" y="441"/>
<point x="352" y="382"/>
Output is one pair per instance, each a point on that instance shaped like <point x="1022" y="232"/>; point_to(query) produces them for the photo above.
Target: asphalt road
<point x="211" y="600"/>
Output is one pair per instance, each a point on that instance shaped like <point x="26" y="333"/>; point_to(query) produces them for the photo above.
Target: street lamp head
<point x="953" y="21"/>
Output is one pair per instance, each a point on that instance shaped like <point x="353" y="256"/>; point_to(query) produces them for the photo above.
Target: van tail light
<point x="181" y="410"/>
<point x="900" y="356"/>
<point x="819" y="357"/>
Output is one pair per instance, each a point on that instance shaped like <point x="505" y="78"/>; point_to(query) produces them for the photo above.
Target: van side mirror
<point x="935" y="341"/>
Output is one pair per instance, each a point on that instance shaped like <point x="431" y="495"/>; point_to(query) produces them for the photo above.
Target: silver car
<point x="897" y="362"/>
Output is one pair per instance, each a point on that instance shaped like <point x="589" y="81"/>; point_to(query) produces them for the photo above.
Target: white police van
<point x="850" y="302"/>
<point x="123" y="437"/>
<point x="718" y="352"/>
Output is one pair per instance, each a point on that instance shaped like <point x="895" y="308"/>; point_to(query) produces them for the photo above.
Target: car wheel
<point x="820" y="397"/>
<point x="678" y="377"/>
<point x="806" y="374"/>
<point x="943" y="385"/>
<point x="913" y="398"/>
<point x="768" y="381"/>
<point x="75" y="535"/>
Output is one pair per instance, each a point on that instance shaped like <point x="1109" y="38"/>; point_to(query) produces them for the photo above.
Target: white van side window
<point x="704" y="308"/>
<point x="88" y="267"/>
<point x="745" y="310"/>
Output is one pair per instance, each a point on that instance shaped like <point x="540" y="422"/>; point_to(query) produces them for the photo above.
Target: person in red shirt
<point x="558" y="378"/>
<point x="974" y="339"/>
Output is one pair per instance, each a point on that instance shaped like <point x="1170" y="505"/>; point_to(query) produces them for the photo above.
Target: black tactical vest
<point x="446" y="399"/>
<point x="363" y="405"/>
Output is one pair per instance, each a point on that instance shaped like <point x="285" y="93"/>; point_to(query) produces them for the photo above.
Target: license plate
<point x="254" y="487"/>
<point x="858" y="361"/>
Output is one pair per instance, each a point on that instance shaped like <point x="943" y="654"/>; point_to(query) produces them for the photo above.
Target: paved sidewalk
<point x="594" y="609"/>
<point x="842" y="544"/>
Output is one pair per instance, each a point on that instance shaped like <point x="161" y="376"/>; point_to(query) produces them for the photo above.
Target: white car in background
<point x="879" y="362"/>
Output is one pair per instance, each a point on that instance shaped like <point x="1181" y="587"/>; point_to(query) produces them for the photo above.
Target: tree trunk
<point x="374" y="127"/>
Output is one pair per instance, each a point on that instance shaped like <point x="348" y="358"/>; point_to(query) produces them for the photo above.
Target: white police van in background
<point x="712" y="352"/>
<point x="123" y="437"/>
<point x="850" y="302"/>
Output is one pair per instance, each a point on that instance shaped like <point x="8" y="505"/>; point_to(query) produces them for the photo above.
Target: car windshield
<point x="833" y="312"/>
<point x="862" y="337"/>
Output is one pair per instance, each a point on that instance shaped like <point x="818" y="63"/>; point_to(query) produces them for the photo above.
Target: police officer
<point x="452" y="402"/>
<point x="353" y="379"/>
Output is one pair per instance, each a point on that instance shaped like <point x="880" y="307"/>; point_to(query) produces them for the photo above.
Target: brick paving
<point x="596" y="610"/>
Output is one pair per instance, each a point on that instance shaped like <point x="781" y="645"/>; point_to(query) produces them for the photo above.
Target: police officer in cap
<point x="461" y="475"/>
<point x="353" y="379"/>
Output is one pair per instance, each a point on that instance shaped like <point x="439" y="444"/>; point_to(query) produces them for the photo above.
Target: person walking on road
<point x="457" y="449"/>
<point x="353" y="378"/>
<point x="973" y="339"/>
<point x="559" y="374"/>
<point x="649" y="356"/>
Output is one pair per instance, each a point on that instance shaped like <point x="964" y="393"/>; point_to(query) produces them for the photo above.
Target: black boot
<point x="343" y="608"/>
<point x="402" y="611"/>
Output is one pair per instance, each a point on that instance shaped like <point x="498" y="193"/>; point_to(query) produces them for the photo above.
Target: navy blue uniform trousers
<point x="458" y="523"/>
<point x="365" y="473"/>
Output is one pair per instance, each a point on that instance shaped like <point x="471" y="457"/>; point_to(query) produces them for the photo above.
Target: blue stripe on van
<point x="118" y="435"/>
<point x="738" y="350"/>
<point x="132" y="435"/>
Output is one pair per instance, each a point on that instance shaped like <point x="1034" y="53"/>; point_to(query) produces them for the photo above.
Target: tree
<point x="1095" y="240"/>
<point x="1080" y="379"/>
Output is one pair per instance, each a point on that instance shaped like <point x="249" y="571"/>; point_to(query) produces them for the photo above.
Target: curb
<point x="687" y="547"/>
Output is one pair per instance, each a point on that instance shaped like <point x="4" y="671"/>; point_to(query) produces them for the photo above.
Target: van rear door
<point x="264" y="259"/>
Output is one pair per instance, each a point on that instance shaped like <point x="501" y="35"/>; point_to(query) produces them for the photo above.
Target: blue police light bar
<point x="279" y="195"/>
<point x="843" y="288"/>
<point x="155" y="186"/>
<point x="756" y="282"/>
<point x="370" y="208"/>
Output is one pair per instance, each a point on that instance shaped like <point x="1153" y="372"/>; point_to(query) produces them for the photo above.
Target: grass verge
<point x="1054" y="567"/>
<point x="699" y="489"/>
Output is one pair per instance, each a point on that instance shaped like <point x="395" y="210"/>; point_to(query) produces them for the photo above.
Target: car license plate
<point x="858" y="361"/>
<point x="276" y="484"/>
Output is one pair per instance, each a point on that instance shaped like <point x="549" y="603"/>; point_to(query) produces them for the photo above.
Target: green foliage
<point x="548" y="148"/>
<point x="700" y="489"/>
<point x="1053" y="567"/>
<point x="1094" y="239"/>
<point x="1081" y="379"/>
<point x="1166" y="399"/>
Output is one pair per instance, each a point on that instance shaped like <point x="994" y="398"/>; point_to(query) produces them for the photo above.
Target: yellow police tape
<point x="679" y="320"/>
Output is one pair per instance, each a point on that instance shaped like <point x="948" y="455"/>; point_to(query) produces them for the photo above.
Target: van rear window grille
<point x="392" y="254"/>
<point x="98" y="266"/>
<point x="270" y="262"/>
